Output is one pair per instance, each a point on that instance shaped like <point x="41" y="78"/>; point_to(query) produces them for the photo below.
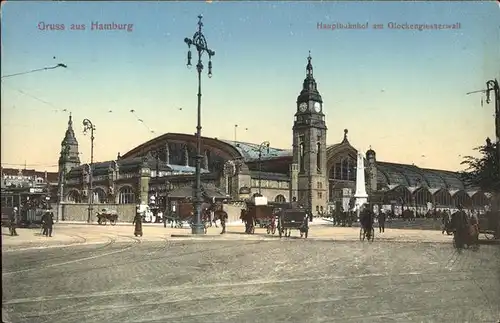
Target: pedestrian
<point x="49" y="224"/>
<point x="13" y="222"/>
<point x="138" y="224"/>
<point x="44" y="223"/>
<point x="381" y="221"/>
<point x="223" y="218"/>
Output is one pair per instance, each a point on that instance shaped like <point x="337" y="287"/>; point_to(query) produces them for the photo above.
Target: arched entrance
<point x="280" y="199"/>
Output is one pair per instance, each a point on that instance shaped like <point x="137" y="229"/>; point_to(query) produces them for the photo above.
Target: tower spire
<point x="309" y="68"/>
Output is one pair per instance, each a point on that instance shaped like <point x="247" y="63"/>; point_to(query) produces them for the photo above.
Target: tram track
<point x="111" y="241"/>
<point x="170" y="256"/>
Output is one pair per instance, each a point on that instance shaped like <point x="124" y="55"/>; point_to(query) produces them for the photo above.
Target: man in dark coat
<point x="381" y="221"/>
<point x="366" y="220"/>
<point x="49" y="223"/>
<point x="460" y="223"/>
<point x="13" y="222"/>
<point x="45" y="220"/>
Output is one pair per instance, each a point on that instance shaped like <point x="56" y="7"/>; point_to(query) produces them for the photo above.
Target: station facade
<point x="318" y="175"/>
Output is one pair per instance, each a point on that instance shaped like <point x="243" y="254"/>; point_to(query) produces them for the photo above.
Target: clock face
<point x="303" y="107"/>
<point x="317" y="107"/>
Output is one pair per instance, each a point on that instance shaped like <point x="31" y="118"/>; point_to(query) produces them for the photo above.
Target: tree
<point x="484" y="171"/>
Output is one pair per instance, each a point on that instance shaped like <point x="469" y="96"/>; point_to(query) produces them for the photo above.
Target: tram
<point x="31" y="203"/>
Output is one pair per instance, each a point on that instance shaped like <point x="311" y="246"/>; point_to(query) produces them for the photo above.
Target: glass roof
<point x="394" y="175"/>
<point x="411" y="175"/>
<point x="453" y="180"/>
<point x="434" y="180"/>
<point x="250" y="152"/>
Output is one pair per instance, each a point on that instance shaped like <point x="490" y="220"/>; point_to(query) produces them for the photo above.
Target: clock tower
<point x="309" y="173"/>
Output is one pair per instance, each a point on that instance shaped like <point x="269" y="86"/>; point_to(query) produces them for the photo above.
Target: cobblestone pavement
<point x="234" y="279"/>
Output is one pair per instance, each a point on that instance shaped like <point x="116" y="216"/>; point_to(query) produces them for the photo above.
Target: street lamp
<point x="263" y="145"/>
<point x="168" y="188"/>
<point x="62" y="175"/>
<point x="492" y="86"/>
<point x="200" y="43"/>
<point x="88" y="126"/>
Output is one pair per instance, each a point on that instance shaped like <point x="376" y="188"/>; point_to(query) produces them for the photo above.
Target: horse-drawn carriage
<point x="185" y="213"/>
<point x="262" y="215"/>
<point x="106" y="215"/>
<point x="293" y="218"/>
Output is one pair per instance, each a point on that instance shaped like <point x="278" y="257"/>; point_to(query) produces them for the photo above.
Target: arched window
<point x="344" y="169"/>
<point x="442" y="198"/>
<point x="74" y="197"/>
<point x="462" y="198"/>
<point x="280" y="199"/>
<point x="126" y="196"/>
<point x="422" y="196"/>
<point x="318" y="157"/>
<point x="301" y="157"/>
<point x="99" y="196"/>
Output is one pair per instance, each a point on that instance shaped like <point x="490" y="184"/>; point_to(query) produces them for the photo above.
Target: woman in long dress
<point x="138" y="224"/>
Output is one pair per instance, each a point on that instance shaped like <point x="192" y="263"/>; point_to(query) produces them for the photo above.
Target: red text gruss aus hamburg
<point x="94" y="26"/>
<point x="390" y="25"/>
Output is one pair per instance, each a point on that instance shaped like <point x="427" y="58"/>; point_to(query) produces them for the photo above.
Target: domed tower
<point x="371" y="158"/>
<point x="309" y="145"/>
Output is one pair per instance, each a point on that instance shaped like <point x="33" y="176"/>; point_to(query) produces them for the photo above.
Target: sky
<point x="402" y="92"/>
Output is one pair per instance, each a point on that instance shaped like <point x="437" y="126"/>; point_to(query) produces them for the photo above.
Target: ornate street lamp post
<point x="62" y="179"/>
<point x="88" y="126"/>
<point x="492" y="86"/>
<point x="263" y="145"/>
<point x="200" y="43"/>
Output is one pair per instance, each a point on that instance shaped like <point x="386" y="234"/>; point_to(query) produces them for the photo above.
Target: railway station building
<point x="317" y="174"/>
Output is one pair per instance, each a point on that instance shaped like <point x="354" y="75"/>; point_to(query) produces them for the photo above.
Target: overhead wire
<point x="36" y="70"/>
<point x="28" y="165"/>
<point x="56" y="109"/>
<point x="142" y="122"/>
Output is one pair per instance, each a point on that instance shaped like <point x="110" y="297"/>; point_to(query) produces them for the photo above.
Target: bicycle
<point x="363" y="234"/>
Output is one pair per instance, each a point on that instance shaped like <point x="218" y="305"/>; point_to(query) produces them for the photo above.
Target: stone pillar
<point x="143" y="191"/>
<point x="167" y="154"/>
<point x="242" y="180"/>
<point x="294" y="182"/>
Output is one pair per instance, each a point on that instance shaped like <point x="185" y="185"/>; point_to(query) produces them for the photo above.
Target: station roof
<point x="250" y="151"/>
<point x="413" y="176"/>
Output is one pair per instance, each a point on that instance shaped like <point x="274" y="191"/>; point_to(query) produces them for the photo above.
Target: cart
<point x="106" y="215"/>
<point x="289" y="219"/>
<point x="489" y="225"/>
